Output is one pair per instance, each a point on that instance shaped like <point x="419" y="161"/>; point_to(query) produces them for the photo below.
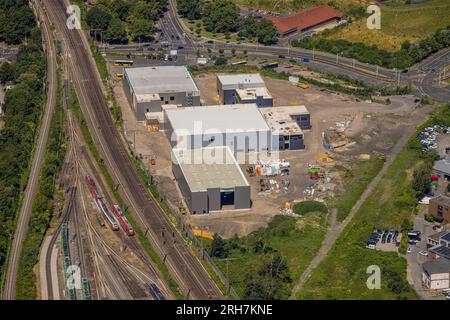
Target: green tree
<point x="266" y="33"/>
<point x="190" y="9"/>
<point x="116" y="32"/>
<point x="142" y="29"/>
<point x="16" y="21"/>
<point x="99" y="17"/>
<point x="220" y="61"/>
<point x="422" y="179"/>
<point x="6" y="72"/>
<point x="121" y="8"/>
<point x="221" y="16"/>
<point x="269" y="280"/>
<point x="218" y="247"/>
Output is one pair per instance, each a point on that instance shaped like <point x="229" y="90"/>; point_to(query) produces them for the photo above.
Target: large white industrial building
<point x="148" y="88"/>
<point x="241" y="127"/>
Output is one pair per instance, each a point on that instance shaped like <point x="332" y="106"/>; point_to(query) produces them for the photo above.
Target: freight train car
<point x="126" y="225"/>
<point x="101" y="204"/>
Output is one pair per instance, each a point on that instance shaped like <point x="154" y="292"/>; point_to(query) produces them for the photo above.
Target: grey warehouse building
<point x="210" y="179"/>
<point x="148" y="88"/>
<point x="243" y="88"/>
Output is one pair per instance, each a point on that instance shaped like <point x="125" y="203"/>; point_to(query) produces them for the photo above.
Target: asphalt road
<point x="9" y="292"/>
<point x="183" y="265"/>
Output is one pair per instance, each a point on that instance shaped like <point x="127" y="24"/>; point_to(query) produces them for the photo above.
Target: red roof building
<point x="305" y="19"/>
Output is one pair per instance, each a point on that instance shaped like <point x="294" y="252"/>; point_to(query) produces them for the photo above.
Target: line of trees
<point x="408" y="55"/>
<point x="43" y="206"/>
<point x="222" y="16"/>
<point x="22" y="110"/>
<point x="122" y="20"/>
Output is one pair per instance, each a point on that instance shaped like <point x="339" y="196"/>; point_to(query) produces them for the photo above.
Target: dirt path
<point x="334" y="231"/>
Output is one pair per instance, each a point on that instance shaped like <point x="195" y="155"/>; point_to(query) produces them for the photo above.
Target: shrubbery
<point x="309" y="206"/>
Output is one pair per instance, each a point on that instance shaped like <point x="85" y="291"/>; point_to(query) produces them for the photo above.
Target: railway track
<point x="187" y="270"/>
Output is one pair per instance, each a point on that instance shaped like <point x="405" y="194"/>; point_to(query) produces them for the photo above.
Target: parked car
<point x="389" y="237"/>
<point x="281" y="56"/>
<point x="423" y="253"/>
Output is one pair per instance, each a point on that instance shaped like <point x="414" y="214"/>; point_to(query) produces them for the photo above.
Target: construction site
<point x="341" y="132"/>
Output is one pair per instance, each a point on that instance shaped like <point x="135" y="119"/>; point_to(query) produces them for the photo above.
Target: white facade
<point x="436" y="281"/>
<point x="239" y="127"/>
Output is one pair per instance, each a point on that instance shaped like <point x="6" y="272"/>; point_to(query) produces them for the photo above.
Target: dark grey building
<point x="243" y="89"/>
<point x="210" y="179"/>
<point x="148" y="88"/>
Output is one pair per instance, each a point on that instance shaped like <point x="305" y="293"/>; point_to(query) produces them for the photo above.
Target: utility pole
<point x="227" y="272"/>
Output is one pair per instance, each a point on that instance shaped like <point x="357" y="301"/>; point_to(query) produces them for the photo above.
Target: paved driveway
<point x="415" y="260"/>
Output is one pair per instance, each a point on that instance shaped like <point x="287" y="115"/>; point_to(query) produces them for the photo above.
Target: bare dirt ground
<point x="372" y="127"/>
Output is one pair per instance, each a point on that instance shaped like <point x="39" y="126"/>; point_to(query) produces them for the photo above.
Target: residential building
<point x="439" y="207"/>
<point x="149" y="88"/>
<point x="436" y="274"/>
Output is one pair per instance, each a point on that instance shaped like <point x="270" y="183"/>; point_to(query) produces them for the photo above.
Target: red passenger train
<point x="126" y="225"/>
<point x="101" y="204"/>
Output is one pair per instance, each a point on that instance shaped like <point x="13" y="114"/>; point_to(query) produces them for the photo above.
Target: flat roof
<point x="280" y="118"/>
<point x="441" y="251"/>
<point x="442" y="165"/>
<point x="217" y="118"/>
<point x="441" y="199"/>
<point x="249" y="79"/>
<point x="160" y="79"/>
<point x="211" y="167"/>
<point x="253" y="93"/>
<point x="436" y="266"/>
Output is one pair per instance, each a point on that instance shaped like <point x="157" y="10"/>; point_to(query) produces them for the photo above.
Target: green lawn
<point x="398" y="26"/>
<point x="355" y="181"/>
<point x="342" y="275"/>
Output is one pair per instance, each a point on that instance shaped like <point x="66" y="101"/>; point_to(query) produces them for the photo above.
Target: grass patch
<point x="342" y="274"/>
<point x="398" y="26"/>
<point x="295" y="239"/>
<point x="356" y="180"/>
